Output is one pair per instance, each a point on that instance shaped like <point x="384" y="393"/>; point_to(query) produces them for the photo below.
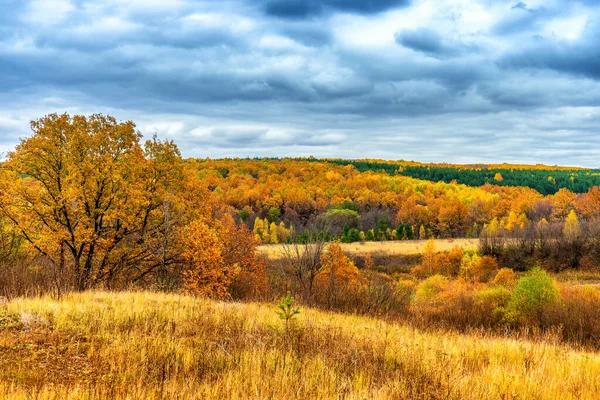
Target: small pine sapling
<point x="286" y="310"/>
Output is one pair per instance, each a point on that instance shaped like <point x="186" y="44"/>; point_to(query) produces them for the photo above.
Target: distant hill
<point x="543" y="178"/>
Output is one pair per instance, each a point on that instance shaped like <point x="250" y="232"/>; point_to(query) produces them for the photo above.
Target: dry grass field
<point x="100" y="345"/>
<point x="389" y="247"/>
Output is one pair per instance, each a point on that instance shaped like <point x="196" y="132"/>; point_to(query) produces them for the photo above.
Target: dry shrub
<point x="439" y="299"/>
<point x="382" y="295"/>
<point x="505" y="277"/>
<point x="490" y="304"/>
<point x="251" y="283"/>
<point x="446" y="263"/>
<point x="588" y="263"/>
<point x="578" y="313"/>
<point x="484" y="269"/>
<point x="338" y="277"/>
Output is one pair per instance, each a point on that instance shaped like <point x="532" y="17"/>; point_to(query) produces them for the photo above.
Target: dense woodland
<point x="544" y="179"/>
<point x="303" y="193"/>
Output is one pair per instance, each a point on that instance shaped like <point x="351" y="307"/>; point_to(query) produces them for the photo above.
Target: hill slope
<point x="148" y="345"/>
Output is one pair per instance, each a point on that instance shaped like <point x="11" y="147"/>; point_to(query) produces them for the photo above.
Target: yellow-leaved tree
<point x="571" y="226"/>
<point x="338" y="276"/>
<point x="96" y="203"/>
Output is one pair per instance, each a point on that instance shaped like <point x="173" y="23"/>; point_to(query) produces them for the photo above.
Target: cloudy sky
<point x="447" y="80"/>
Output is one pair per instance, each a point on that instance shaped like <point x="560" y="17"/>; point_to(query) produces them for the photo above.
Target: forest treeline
<point x="542" y="178"/>
<point x="271" y="194"/>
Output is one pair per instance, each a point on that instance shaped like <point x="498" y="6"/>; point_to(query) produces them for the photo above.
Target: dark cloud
<point x="424" y="40"/>
<point x="432" y="44"/>
<point x="300" y="9"/>
<point x="521" y="18"/>
<point x="238" y="77"/>
<point x="577" y="57"/>
<point x="309" y="34"/>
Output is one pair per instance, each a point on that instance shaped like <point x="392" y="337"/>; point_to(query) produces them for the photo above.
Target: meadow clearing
<point x="141" y="345"/>
<point x="396" y="247"/>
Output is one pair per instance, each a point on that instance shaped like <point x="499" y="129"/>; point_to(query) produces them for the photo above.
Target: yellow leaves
<point x="498" y="177"/>
<point x="338" y="272"/>
<point x="258" y="226"/>
<point x="562" y="203"/>
<point x="208" y="275"/>
<point x="332" y="176"/>
<point x="86" y="185"/>
<point x="428" y="262"/>
<point x="515" y="220"/>
<point x="270" y="233"/>
<point x="505" y="277"/>
<point x="571" y="226"/>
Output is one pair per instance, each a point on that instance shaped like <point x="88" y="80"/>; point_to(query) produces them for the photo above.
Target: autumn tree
<point x="562" y="204"/>
<point x="453" y="219"/>
<point x="428" y="262"/>
<point x="338" y="275"/>
<point x="207" y="274"/>
<point x="588" y="205"/>
<point x="221" y="260"/>
<point x="422" y="233"/>
<point x="571" y="226"/>
<point x="93" y="200"/>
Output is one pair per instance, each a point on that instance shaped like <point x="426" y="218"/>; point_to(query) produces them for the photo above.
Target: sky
<point x="461" y="81"/>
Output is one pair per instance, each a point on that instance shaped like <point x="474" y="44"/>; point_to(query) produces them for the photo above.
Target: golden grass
<point x="99" y="345"/>
<point x="389" y="247"/>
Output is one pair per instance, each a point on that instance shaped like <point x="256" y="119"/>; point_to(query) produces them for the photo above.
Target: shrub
<point x="448" y="263"/>
<point x="429" y="288"/>
<point x="505" y="277"/>
<point x="484" y="269"/>
<point x="532" y="296"/>
<point x="466" y="264"/>
<point x="444" y="263"/>
<point x="490" y="304"/>
<point x="578" y="313"/>
<point x="338" y="276"/>
<point x="380" y="295"/>
<point x="439" y="299"/>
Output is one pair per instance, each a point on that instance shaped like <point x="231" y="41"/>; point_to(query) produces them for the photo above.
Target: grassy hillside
<point x="148" y="345"/>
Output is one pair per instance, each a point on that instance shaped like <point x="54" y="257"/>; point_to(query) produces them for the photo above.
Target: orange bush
<point x="439" y="299"/>
<point x="505" y="277"/>
<point x="444" y="263"/>
<point x="484" y="269"/>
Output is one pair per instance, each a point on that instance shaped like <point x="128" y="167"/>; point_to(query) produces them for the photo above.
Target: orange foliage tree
<point x="339" y="274"/>
<point x="222" y="260"/>
<point x="93" y="200"/>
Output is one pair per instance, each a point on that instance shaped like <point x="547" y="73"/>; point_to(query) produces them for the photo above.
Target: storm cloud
<point x="478" y="81"/>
